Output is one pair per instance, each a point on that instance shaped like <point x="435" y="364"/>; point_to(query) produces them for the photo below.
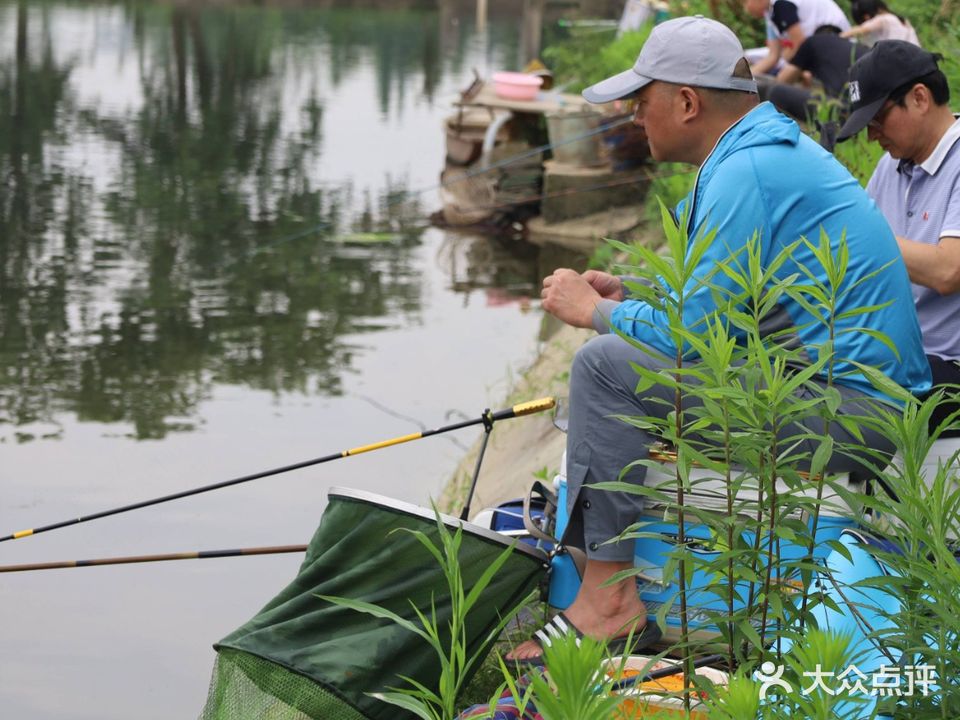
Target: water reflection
<point x="163" y="224"/>
<point x="503" y="268"/>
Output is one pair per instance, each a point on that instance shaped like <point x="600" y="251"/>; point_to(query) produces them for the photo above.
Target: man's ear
<point x="920" y="96"/>
<point x="689" y="104"/>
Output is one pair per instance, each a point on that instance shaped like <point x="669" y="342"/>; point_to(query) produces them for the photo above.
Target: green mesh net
<point x="301" y="657"/>
<point x="246" y="686"/>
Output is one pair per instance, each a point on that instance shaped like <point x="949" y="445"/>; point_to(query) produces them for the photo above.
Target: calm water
<point x="183" y="300"/>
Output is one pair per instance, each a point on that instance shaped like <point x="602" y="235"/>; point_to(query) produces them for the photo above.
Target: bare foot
<point x="598" y="612"/>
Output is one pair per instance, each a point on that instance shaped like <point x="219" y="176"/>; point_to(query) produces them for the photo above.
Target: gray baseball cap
<point x="692" y="51"/>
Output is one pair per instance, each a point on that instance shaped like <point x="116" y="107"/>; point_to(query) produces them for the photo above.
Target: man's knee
<point x="603" y="354"/>
<point x="591" y="356"/>
<point x="607" y="365"/>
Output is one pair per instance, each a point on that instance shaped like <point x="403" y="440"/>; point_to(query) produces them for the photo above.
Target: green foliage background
<point x="583" y="60"/>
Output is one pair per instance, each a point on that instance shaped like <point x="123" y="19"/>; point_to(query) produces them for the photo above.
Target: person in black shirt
<point x="789" y="23"/>
<point x="825" y="57"/>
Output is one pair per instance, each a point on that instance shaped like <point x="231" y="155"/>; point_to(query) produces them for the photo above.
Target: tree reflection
<point x="162" y="286"/>
<point x="32" y="306"/>
<point x="192" y="242"/>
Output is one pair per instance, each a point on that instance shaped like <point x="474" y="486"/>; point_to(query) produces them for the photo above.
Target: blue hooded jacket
<point x="764" y="176"/>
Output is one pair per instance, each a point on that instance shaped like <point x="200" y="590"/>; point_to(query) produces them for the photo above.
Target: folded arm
<point x="933" y="266"/>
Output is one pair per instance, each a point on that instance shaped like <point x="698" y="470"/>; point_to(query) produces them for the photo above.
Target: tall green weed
<point x="448" y="643"/>
<point x="574" y="686"/>
<point x="745" y="386"/>
<point x="916" y="516"/>
<point x="735" y="391"/>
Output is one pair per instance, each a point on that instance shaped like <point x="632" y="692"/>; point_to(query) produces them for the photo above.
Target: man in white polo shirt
<point x="900" y="95"/>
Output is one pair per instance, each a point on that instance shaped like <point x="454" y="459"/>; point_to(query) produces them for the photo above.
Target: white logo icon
<point x="854" y="91"/>
<point x="771" y="676"/>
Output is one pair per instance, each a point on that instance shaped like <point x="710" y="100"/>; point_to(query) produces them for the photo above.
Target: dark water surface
<point x="185" y="297"/>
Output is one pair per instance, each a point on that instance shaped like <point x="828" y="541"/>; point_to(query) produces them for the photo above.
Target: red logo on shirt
<point x="926" y="215"/>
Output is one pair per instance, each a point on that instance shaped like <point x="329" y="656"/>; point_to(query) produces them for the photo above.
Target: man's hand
<point x="569" y="297"/>
<point x="608" y="286"/>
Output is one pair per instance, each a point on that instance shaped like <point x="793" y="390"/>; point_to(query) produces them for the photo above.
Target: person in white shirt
<point x="789" y="23"/>
<point x="875" y="22"/>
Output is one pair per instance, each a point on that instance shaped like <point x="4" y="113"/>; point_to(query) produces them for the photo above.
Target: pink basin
<point x="516" y="86"/>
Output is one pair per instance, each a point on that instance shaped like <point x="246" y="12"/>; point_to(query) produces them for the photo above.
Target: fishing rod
<point x="131" y="559"/>
<point x="526" y="408"/>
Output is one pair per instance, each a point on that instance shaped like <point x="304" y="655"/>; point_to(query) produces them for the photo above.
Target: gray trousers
<point x="600" y="446"/>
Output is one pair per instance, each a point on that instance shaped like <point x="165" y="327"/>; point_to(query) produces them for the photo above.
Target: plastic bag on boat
<point x="301" y="657"/>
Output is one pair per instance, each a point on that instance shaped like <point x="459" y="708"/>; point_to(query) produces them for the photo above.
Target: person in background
<point x="900" y="95"/>
<point x="759" y="177"/>
<point x="789" y="23"/>
<point x="875" y="22"/>
<point x="825" y="57"/>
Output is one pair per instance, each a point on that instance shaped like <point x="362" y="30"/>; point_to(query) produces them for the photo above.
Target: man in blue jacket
<point x="697" y="103"/>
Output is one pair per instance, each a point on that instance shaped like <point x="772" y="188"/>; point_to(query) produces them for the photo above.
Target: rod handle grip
<point x="534" y="406"/>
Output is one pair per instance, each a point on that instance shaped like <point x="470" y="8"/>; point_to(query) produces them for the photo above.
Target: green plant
<point x="602" y="257"/>
<point x="574" y="686"/>
<point x="927" y="17"/>
<point x="449" y="643"/>
<point x="585" y="60"/>
<point x="800" y="696"/>
<point x="859" y="155"/>
<point x="745" y="395"/>
<point x="730" y="12"/>
<point x="485" y="686"/>
<point x="830" y="654"/>
<point x="916" y="512"/>
<point x="669" y="184"/>
<point x="740" y="699"/>
<point x="736" y="400"/>
<point x="943" y="37"/>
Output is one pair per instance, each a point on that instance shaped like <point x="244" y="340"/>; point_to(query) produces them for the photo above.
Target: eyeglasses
<point x="879" y="118"/>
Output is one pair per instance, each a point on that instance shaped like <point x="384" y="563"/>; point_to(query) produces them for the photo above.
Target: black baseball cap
<point x="889" y="65"/>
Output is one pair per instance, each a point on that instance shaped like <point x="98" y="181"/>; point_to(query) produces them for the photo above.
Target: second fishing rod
<point x="486" y="419"/>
